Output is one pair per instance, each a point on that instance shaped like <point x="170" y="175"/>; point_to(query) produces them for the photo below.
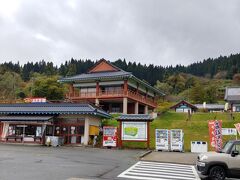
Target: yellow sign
<point x="93" y="130"/>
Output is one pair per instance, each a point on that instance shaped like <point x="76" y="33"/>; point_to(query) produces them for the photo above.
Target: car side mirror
<point x="234" y="153"/>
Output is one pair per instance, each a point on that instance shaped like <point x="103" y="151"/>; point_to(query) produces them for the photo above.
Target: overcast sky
<point x="161" y="32"/>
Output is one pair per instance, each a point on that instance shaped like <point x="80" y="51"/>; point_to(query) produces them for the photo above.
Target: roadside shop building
<point x="32" y="122"/>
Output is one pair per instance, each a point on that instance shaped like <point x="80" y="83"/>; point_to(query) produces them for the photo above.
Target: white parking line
<point x="161" y="171"/>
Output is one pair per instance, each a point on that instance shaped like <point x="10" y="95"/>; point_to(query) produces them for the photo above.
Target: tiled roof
<point x="135" y="117"/>
<point x="210" y="106"/>
<point x="97" y="76"/>
<point x="183" y="103"/>
<point x="25" y="118"/>
<point x="232" y="94"/>
<point x="51" y="109"/>
<point x="109" y="75"/>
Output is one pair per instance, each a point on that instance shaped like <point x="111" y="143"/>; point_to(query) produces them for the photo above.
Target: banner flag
<point x="215" y="134"/>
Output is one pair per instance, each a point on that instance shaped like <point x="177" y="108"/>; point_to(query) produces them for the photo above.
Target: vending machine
<point x="177" y="141"/>
<point x="109" y="136"/>
<point x="162" y="139"/>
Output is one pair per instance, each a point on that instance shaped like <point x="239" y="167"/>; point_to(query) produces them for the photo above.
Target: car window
<point x="236" y="147"/>
<point x="227" y="147"/>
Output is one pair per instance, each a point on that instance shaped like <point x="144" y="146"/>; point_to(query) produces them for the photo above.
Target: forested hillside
<point x="18" y="81"/>
<point x="221" y="67"/>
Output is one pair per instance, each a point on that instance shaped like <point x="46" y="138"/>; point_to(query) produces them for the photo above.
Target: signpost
<point x="229" y="131"/>
<point x="109" y="136"/>
<point x="134" y="128"/>
<point x="134" y="131"/>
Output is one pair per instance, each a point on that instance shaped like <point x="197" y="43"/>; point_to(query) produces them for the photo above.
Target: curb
<point x="144" y="154"/>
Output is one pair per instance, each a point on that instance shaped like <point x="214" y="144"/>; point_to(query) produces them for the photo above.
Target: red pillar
<point x="120" y="135"/>
<point x="137" y="88"/>
<point x="97" y="88"/>
<point x="125" y="87"/>
<point x="148" y="134"/>
<point x="146" y="94"/>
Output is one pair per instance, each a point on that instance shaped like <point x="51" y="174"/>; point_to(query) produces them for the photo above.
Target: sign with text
<point x="136" y="131"/>
<point x="35" y="100"/>
<point x="109" y="136"/>
<point x="229" y="131"/>
<point x="215" y="134"/>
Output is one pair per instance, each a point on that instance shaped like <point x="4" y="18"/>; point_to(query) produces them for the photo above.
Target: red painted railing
<point x="111" y="94"/>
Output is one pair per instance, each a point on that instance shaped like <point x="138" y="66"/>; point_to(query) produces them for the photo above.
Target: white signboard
<point x="136" y="131"/>
<point x="229" y="131"/>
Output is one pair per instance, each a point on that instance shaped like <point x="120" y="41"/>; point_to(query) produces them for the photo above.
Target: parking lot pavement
<point x="63" y="163"/>
<point x="172" y="157"/>
<point x="160" y="171"/>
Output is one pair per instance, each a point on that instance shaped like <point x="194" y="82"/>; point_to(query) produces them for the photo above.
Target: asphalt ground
<point x="24" y="162"/>
<point x="172" y="157"/>
<point x="18" y="162"/>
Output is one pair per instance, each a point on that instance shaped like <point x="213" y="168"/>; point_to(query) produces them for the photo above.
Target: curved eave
<point x="71" y="80"/>
<point x="148" y="85"/>
<point x="66" y="80"/>
<point x="100" y="114"/>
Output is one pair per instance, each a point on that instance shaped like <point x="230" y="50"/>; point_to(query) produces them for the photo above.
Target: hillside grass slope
<point x="195" y="128"/>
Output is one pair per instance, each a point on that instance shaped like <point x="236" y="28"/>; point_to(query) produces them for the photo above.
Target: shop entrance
<point x="72" y="133"/>
<point x="24" y="133"/>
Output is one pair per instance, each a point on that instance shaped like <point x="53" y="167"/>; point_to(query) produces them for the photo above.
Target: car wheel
<point x="217" y="173"/>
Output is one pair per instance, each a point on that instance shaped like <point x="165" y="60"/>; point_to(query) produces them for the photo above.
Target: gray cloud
<point x="146" y="31"/>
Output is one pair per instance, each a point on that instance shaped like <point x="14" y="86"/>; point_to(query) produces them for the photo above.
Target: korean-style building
<point x="232" y="97"/>
<point x="112" y="89"/>
<point x="184" y="106"/>
<point x="33" y="122"/>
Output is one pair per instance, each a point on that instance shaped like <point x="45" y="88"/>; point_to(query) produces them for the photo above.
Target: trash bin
<point x="55" y="141"/>
<point x="199" y="146"/>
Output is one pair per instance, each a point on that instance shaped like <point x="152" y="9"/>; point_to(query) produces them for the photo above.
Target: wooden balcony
<point x="111" y="95"/>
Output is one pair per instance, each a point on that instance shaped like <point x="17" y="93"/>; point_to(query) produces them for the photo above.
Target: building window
<point x="49" y="130"/>
<point x="237" y="108"/>
<point x="115" y="89"/>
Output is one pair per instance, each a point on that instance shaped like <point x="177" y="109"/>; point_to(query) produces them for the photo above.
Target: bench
<point x="15" y="138"/>
<point x="37" y="138"/>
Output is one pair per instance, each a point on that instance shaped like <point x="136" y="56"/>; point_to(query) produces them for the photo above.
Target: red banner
<point x="215" y="134"/>
<point x="211" y="133"/>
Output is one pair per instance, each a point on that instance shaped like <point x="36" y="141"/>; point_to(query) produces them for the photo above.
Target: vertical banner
<point x="211" y="133"/>
<point x="215" y="134"/>
<point x="218" y="135"/>
<point x="109" y="136"/>
<point x="237" y="126"/>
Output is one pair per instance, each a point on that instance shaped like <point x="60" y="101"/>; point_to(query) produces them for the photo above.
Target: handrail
<point x="108" y="93"/>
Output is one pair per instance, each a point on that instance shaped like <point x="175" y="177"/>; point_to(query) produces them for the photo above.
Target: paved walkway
<point x="172" y="157"/>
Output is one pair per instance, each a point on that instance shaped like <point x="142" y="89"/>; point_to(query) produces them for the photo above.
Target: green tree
<point x="10" y="83"/>
<point x="177" y="82"/>
<point x="49" y="87"/>
<point x="165" y="87"/>
<point x="210" y="94"/>
<point x="236" y="79"/>
<point x="197" y="93"/>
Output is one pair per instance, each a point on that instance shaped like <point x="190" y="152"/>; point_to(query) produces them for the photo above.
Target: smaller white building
<point x="184" y="107"/>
